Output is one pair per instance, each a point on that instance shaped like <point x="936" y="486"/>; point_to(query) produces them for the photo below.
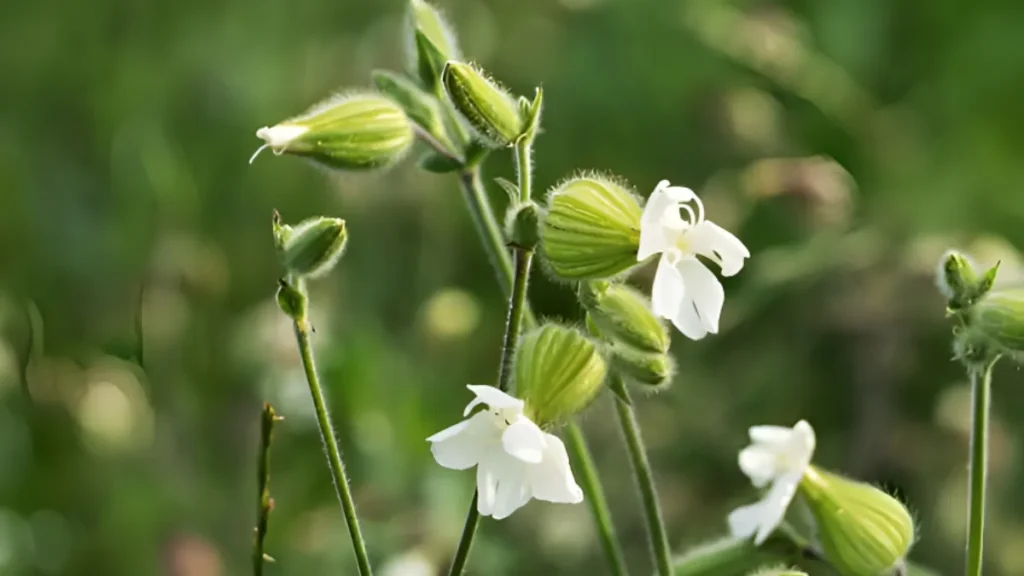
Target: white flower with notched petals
<point x="778" y="456"/>
<point x="684" y="290"/>
<point x="515" y="460"/>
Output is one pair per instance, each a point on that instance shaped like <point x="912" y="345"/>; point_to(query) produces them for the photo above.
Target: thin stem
<point x="263" y="484"/>
<point x="524" y="148"/>
<point x="330" y="441"/>
<point x="594" y="493"/>
<point x="644" y="478"/>
<point x="981" y="387"/>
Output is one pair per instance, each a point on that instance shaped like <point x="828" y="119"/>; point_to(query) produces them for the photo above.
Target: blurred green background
<point x="848" y="143"/>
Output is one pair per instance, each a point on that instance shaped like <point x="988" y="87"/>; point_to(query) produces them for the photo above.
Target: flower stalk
<point x="981" y="387"/>
<point x="266" y="504"/>
<point x="644" y="477"/>
<point x="330" y="440"/>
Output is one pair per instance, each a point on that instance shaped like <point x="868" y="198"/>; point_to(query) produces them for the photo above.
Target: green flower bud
<point x="726" y="557"/>
<point x="999" y="318"/>
<point x="419" y="106"/>
<point x="652" y="369"/>
<point x="292" y="300"/>
<point x="488" y="108"/>
<point x="621" y="314"/>
<point x="558" y="372"/>
<point x="354" y="132"/>
<point x="313" y="247"/>
<point x="863" y="530"/>
<point x="591" y="230"/>
<point x="778" y="571"/>
<point x="521" y="225"/>
<point x="959" y="282"/>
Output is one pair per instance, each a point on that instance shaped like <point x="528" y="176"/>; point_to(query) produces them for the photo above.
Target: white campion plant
<point x="685" y="291"/>
<point x="515" y="459"/>
<point x="778" y="456"/>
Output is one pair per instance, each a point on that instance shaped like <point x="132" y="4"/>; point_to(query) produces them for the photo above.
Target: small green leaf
<point x="510" y="188"/>
<point x="430" y="62"/>
<point x="439" y="163"/>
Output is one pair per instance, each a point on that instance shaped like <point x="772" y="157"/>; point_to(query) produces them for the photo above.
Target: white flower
<point x="277" y="138"/>
<point x="684" y="290"/>
<point x="515" y="459"/>
<point x="780" y="456"/>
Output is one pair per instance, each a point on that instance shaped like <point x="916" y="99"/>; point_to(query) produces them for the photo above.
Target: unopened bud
<point x="651" y="369"/>
<point x="313" y="247"/>
<point x="960" y="283"/>
<point x="778" y="571"/>
<point x="999" y="318"/>
<point x="591" y="230"/>
<point x="488" y="107"/>
<point x="622" y="315"/>
<point x="292" y="300"/>
<point x="863" y="531"/>
<point x="558" y="372"/>
<point x="521" y="225"/>
<point x="354" y="132"/>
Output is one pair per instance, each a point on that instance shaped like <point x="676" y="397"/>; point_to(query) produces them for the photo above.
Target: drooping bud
<point x="419" y="106"/>
<point x="352" y="132"/>
<point x="863" y="531"/>
<point x="999" y="318"/>
<point x="651" y="369"/>
<point x="591" y="230"/>
<point x="488" y="108"/>
<point x="622" y="314"/>
<point x="960" y="283"/>
<point x="558" y="372"/>
<point x="291" y="298"/>
<point x="312" y="248"/>
<point x="727" y="557"/>
<point x="521" y="225"/>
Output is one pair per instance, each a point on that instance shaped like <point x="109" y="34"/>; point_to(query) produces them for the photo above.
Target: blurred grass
<point x="848" y="143"/>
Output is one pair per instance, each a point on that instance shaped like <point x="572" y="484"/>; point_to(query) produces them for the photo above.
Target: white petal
<point x="704" y="290"/>
<point x="461" y="446"/>
<point x="775" y="503"/>
<point x="800" y="447"/>
<point x="552" y="480"/>
<point x="719" y="245"/>
<point x="687" y="321"/>
<point x="661" y="224"/>
<point x="513" y="489"/>
<point x="744" y="521"/>
<point x="524" y="440"/>
<point x="281" y="135"/>
<point x="486" y="486"/>
<point x="760" y="463"/>
<point x="771" y="435"/>
<point x="668" y="290"/>
<point x="492" y="397"/>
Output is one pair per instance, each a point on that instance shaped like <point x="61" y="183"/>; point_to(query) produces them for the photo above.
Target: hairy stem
<point x="981" y="387"/>
<point x="594" y="493"/>
<point x="263" y="485"/>
<point x="644" y="478"/>
<point x="330" y="440"/>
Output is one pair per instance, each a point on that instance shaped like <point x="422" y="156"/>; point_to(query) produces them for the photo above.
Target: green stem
<point x="644" y="478"/>
<point x="594" y="493"/>
<point x="981" y="386"/>
<point x="524" y="148"/>
<point x="330" y="441"/>
<point x="263" y="484"/>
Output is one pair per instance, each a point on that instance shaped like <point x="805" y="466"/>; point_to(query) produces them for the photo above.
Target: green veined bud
<point x="558" y="372"/>
<point x="999" y="318"/>
<point x="960" y="283"/>
<point x="777" y="571"/>
<point x="651" y="369"/>
<point x="591" y="230"/>
<point x="291" y="298"/>
<point x="863" y="530"/>
<point x="726" y="557"/>
<point x="622" y="314"/>
<point x="353" y="132"/>
<point x="313" y="247"/>
<point x="419" y="106"/>
<point x="488" y="108"/>
<point x="521" y="225"/>
<point x="430" y="42"/>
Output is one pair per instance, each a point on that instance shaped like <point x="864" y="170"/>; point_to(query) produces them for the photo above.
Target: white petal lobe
<point x="524" y="440"/>
<point x="704" y="290"/>
<point x="668" y="290"/>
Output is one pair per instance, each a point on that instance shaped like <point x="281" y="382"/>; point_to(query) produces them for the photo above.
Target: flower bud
<point x="863" y="530"/>
<point x="621" y="314"/>
<point x="354" y="132"/>
<point x="778" y="571"/>
<point x="521" y="225"/>
<point x="558" y="372"/>
<point x="725" y="557"/>
<point x="419" y="106"/>
<point x="652" y="369"/>
<point x="960" y="283"/>
<point x="591" y="230"/>
<point x="488" y="108"/>
<point x="999" y="318"/>
<point x="292" y="300"/>
<point x="313" y="247"/>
